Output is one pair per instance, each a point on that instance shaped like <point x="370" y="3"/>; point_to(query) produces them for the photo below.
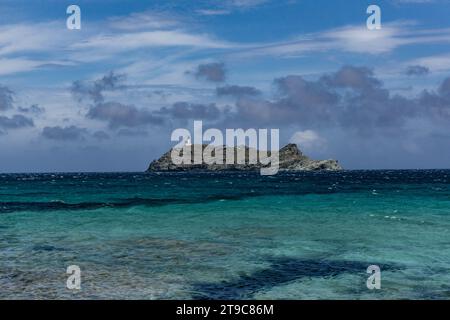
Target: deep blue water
<point x="226" y="235"/>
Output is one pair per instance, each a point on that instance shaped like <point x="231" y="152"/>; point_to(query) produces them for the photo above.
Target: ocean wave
<point x="55" y="205"/>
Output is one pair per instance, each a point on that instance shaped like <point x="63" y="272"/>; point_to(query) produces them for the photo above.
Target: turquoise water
<point x="226" y="235"/>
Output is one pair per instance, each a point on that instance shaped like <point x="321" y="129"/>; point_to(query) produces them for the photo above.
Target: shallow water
<point x="226" y="235"/>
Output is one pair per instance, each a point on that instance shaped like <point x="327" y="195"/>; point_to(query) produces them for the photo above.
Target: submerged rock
<point x="290" y="159"/>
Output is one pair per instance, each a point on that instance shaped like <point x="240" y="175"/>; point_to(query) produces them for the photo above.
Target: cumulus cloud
<point x="116" y="114"/>
<point x="214" y="72"/>
<point x="358" y="78"/>
<point x="34" y="109"/>
<point x="237" y="91"/>
<point x="308" y="140"/>
<point x="71" y="133"/>
<point x="132" y="133"/>
<point x="121" y="115"/>
<point x="6" y="98"/>
<point x="444" y="89"/>
<point x="436" y="104"/>
<point x="94" y="91"/>
<point x="351" y="98"/>
<point x="15" y="122"/>
<point x="101" y="135"/>
<point x="185" y="110"/>
<point x="417" y="70"/>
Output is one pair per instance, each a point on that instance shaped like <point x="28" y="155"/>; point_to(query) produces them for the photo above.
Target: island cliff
<point x="290" y="159"/>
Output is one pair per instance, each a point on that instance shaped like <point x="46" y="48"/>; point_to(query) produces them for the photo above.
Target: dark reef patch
<point x="46" y="247"/>
<point x="280" y="272"/>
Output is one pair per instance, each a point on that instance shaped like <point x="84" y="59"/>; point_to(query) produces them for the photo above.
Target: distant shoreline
<point x="208" y="171"/>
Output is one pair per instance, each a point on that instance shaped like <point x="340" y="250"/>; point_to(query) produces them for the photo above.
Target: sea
<point x="226" y="235"/>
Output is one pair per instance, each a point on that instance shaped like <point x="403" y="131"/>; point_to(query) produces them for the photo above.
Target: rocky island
<point x="290" y="159"/>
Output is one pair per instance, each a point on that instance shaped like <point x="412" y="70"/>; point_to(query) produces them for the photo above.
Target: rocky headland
<point x="290" y="159"/>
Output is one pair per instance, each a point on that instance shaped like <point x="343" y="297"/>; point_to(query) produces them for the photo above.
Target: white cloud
<point x="25" y="47"/>
<point x="245" y="3"/>
<point x="213" y="12"/>
<point x="309" y="140"/>
<point x="355" y="39"/>
<point x="16" y="65"/>
<point x="414" y="1"/>
<point x="37" y="37"/>
<point x="51" y="40"/>
<point x="8" y="66"/>
<point x="363" y="40"/>
<point x="225" y="7"/>
<point x="436" y="63"/>
<point x="137" y="40"/>
<point x="145" y="20"/>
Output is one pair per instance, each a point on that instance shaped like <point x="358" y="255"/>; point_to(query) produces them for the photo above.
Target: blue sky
<point x="107" y="97"/>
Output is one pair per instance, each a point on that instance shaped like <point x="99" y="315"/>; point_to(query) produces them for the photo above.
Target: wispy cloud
<point x="145" y="20"/>
<point x="213" y="12"/>
<point x="355" y="39"/>
<point x="414" y="1"/>
<point x="16" y="65"/>
<point x="37" y="37"/>
<point x="23" y="49"/>
<point x="435" y="63"/>
<point x="139" y="40"/>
